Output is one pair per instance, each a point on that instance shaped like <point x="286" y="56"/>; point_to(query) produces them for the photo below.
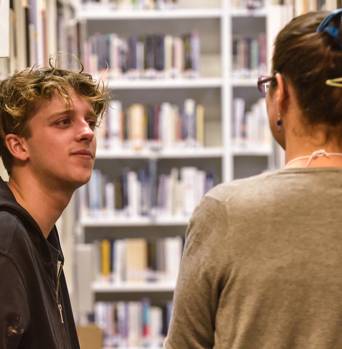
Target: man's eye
<point x="63" y="122"/>
<point x="92" y="123"/>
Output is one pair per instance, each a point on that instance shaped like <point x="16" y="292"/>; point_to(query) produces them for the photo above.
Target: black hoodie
<point x="35" y="310"/>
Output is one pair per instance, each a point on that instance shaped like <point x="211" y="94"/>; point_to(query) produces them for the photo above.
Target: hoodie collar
<point x="50" y="248"/>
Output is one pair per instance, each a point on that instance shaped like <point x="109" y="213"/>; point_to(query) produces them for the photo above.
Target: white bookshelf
<point x="216" y="85"/>
<point x="250" y="150"/>
<point x="242" y="12"/>
<point x="217" y="22"/>
<point x="145" y="84"/>
<point x="163" y="153"/>
<point x="100" y="13"/>
<point x="243" y="82"/>
<point x="127" y="221"/>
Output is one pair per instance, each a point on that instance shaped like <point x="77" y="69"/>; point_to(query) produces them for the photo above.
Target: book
<point x="105" y="259"/>
<point x="136" y="259"/>
<point x="5" y="28"/>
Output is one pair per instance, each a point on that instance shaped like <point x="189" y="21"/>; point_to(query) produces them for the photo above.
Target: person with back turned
<point x="262" y="261"/>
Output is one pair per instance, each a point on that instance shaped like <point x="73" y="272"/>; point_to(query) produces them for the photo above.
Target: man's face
<point x="62" y="144"/>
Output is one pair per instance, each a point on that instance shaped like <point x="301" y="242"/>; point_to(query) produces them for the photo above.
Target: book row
<point x="133" y="324"/>
<point x="304" y="6"/>
<point x="145" y="56"/>
<point x="137" y="259"/>
<point x="143" y="193"/>
<point x="249" y="4"/>
<point x="250" y="126"/>
<point x="163" y="125"/>
<point x="249" y="55"/>
<point x="135" y="4"/>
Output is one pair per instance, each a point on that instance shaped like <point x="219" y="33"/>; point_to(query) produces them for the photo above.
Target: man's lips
<point x="84" y="152"/>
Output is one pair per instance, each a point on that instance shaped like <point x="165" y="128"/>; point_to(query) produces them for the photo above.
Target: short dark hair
<point x="22" y="93"/>
<point x="308" y="59"/>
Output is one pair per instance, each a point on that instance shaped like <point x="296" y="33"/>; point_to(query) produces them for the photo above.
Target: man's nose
<point x="85" y="132"/>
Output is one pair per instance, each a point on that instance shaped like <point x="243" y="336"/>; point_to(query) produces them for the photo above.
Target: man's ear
<point x="17" y="146"/>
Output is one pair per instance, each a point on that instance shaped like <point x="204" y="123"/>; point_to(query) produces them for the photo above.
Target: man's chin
<point x="78" y="181"/>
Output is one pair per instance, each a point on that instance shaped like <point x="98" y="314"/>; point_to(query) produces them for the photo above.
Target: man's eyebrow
<point x="61" y="112"/>
<point x="70" y="110"/>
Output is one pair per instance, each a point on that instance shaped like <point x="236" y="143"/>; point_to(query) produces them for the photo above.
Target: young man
<point x="47" y="144"/>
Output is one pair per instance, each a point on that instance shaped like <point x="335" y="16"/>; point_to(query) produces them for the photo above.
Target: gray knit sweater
<point x="262" y="265"/>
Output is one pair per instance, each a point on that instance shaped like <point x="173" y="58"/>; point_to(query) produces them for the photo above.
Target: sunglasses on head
<point x="332" y="25"/>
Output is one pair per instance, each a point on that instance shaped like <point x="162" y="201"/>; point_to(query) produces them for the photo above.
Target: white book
<point x="100" y="314"/>
<point x="101" y="132"/>
<point x="140" y="57"/>
<point x="238" y="120"/>
<point x="188" y="176"/>
<point x="135" y="324"/>
<point x="173" y="255"/>
<point x="4" y="29"/>
<point x="173" y="190"/>
<point x="199" y="188"/>
<point x="122" y="323"/>
<point x="82" y="200"/>
<point x="195" y="53"/>
<point x="178" y="198"/>
<point x="168" y="195"/>
<point x="134" y="194"/>
<point x="94" y="192"/>
<point x="114" y="56"/>
<point x="156" y="317"/>
<point x="119" y="270"/>
<point x="178" y="53"/>
<point x="251" y="128"/>
<point x="166" y="116"/>
<point x="110" y="198"/>
<point x="161" y="267"/>
<point x="109" y="325"/>
<point x="85" y="275"/>
<point x="114" y="124"/>
<point x="168" y="55"/>
<point x="190" y="121"/>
